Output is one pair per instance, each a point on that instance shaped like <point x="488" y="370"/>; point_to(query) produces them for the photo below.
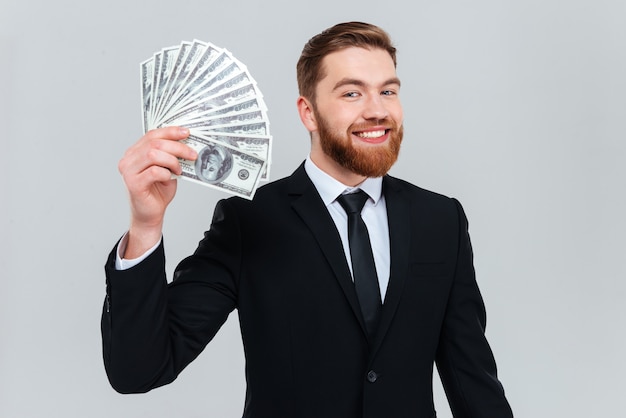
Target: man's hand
<point x="147" y="168"/>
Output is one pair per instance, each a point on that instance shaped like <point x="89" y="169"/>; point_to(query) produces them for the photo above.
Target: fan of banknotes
<point x="206" y="89"/>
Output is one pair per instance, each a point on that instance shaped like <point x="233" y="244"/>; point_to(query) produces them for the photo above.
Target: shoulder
<point x="393" y="184"/>
<point x="426" y="201"/>
<point x="279" y="192"/>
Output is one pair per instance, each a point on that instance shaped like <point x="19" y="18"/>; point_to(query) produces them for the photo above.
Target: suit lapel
<point x="399" y="219"/>
<point x="310" y="207"/>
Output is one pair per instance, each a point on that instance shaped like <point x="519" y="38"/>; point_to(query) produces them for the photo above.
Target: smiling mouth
<point x="371" y="134"/>
<point x="374" y="137"/>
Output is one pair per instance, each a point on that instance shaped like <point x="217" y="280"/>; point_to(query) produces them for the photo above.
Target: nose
<point x="375" y="108"/>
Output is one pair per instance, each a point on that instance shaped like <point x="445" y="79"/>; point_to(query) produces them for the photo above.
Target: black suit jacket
<point x="278" y="260"/>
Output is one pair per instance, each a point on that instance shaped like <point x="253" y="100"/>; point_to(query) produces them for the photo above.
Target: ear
<point x="307" y="116"/>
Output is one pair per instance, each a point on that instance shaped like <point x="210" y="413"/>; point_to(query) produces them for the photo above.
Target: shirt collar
<point x="329" y="188"/>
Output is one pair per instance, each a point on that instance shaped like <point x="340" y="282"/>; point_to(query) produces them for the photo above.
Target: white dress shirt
<point x="374" y="215"/>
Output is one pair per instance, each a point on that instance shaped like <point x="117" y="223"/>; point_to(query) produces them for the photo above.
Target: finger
<point x="172" y="133"/>
<point x="175" y="148"/>
<point x="162" y="158"/>
<point x="154" y="151"/>
<point x="151" y="175"/>
<point x="142" y="182"/>
<point x="150" y="151"/>
<point x="142" y="159"/>
<point x="168" y="139"/>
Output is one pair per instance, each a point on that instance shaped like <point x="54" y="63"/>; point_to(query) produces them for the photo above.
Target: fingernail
<point x="184" y="131"/>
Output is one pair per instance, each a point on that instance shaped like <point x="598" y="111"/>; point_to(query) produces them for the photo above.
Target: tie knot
<point x="353" y="202"/>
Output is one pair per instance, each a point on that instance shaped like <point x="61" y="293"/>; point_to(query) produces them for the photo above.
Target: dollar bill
<point x="259" y="145"/>
<point x="221" y="167"/>
<point x="256" y="145"/>
<point x="147" y="74"/>
<point x="257" y="128"/>
<point x="156" y="62"/>
<point x="246" y="106"/>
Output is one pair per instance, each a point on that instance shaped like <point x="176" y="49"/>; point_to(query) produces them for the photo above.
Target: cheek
<point x="397" y="114"/>
<point x="343" y="121"/>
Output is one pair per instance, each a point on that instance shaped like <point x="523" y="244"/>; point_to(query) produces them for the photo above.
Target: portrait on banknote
<point x="214" y="163"/>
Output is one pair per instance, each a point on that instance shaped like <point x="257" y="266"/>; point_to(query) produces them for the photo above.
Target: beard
<point x="366" y="160"/>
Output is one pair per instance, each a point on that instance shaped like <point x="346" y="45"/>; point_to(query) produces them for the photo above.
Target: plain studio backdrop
<point x="517" y="108"/>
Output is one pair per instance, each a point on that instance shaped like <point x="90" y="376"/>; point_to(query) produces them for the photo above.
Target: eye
<point x="351" y="94"/>
<point x="388" y="93"/>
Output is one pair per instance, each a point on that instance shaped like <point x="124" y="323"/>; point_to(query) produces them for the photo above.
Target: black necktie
<point x="363" y="267"/>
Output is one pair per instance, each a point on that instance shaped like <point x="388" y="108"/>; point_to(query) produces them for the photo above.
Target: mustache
<point x="385" y="123"/>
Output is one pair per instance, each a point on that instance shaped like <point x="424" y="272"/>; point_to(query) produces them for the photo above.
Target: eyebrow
<point x="361" y="83"/>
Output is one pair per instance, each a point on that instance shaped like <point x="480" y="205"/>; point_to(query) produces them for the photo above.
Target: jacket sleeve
<point x="152" y="330"/>
<point x="465" y="361"/>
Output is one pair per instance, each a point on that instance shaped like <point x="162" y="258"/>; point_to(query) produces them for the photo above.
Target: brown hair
<point x="333" y="39"/>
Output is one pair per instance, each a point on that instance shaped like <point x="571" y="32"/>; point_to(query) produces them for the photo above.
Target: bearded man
<point x="344" y="308"/>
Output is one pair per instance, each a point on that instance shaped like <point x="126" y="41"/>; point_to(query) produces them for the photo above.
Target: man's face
<point x="358" y="111"/>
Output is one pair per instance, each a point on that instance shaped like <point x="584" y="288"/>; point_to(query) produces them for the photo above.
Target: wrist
<point x="141" y="238"/>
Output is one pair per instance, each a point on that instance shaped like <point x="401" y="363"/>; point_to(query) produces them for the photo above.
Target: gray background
<point x="516" y="108"/>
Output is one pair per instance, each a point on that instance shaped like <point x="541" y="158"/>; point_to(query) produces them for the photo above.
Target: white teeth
<point x="372" y="134"/>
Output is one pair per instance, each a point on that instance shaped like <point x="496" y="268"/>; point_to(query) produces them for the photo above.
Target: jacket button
<point x="372" y="376"/>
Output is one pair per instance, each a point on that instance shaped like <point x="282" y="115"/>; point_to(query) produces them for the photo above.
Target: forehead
<point x="368" y="65"/>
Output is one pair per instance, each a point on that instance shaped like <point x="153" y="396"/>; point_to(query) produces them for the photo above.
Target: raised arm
<point x="147" y="169"/>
